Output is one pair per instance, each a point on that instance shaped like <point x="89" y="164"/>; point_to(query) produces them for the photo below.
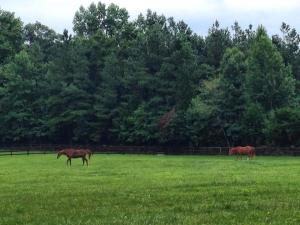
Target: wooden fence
<point x="175" y="150"/>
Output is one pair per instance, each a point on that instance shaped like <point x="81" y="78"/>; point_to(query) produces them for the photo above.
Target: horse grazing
<point x="74" y="153"/>
<point x="240" y="151"/>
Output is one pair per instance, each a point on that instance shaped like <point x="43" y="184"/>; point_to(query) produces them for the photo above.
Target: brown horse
<point x="240" y="151"/>
<point x="74" y="153"/>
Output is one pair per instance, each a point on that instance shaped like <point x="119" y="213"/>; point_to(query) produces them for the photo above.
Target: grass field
<point x="147" y="189"/>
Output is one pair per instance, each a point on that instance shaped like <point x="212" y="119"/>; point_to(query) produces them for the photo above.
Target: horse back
<point x="244" y="150"/>
<point x="78" y="153"/>
<point x="73" y="153"/>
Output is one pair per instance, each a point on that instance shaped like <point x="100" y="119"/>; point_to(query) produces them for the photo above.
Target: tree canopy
<point x="147" y="81"/>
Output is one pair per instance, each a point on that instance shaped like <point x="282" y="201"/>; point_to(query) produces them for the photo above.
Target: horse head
<point x="60" y="153"/>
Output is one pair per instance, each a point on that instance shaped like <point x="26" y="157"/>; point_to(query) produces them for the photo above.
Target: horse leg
<point x="87" y="162"/>
<point x="84" y="160"/>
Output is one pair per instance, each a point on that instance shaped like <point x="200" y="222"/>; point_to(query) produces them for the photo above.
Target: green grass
<point x="147" y="189"/>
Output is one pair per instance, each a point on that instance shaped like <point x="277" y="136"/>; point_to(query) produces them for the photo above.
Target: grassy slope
<point x="138" y="189"/>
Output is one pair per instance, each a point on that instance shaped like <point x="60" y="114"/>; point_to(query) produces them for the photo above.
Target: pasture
<point x="149" y="189"/>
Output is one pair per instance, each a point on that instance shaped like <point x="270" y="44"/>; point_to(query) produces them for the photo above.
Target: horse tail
<point x="90" y="153"/>
<point x="252" y="151"/>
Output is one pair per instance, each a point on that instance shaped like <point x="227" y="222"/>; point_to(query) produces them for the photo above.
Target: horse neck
<point x="67" y="153"/>
<point x="234" y="149"/>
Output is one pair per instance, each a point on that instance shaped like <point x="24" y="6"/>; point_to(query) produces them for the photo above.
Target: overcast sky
<point x="198" y="14"/>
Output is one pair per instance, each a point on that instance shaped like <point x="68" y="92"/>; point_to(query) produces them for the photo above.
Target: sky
<point x="198" y="14"/>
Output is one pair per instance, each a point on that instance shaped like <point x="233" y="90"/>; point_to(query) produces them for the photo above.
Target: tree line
<point x="148" y="81"/>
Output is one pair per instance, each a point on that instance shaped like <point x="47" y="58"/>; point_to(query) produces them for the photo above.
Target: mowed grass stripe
<point x="149" y="189"/>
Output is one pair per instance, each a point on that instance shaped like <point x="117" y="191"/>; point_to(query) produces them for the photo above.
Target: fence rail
<point x="48" y="149"/>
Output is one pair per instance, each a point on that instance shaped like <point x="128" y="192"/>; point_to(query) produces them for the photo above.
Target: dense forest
<point x="147" y="81"/>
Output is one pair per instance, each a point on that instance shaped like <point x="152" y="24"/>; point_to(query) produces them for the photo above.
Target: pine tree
<point x="232" y="103"/>
<point x="269" y="82"/>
